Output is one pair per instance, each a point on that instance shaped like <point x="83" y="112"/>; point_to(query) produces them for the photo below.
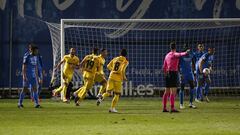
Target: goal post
<point x="147" y="42"/>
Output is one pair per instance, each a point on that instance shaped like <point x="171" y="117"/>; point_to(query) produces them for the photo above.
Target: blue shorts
<point x="201" y="78"/>
<point x="186" y="78"/>
<point x="31" y="81"/>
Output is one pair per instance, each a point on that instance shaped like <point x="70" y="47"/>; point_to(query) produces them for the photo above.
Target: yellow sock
<point x="115" y="100"/>
<point x="106" y="94"/>
<point x="64" y="92"/>
<point x="59" y="89"/>
<point x="103" y="88"/>
<point x="78" y="90"/>
<point x="82" y="93"/>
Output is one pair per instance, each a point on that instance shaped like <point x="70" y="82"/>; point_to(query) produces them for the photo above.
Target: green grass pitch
<point x="137" y="116"/>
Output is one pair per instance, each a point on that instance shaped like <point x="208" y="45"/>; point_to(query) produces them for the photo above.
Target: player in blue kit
<point x="203" y="80"/>
<point x="186" y="68"/>
<point x="40" y="72"/>
<point x="197" y="55"/>
<point x="30" y="73"/>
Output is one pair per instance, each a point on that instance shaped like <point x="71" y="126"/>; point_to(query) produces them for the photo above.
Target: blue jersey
<point x="40" y="66"/>
<point x="198" y="55"/>
<point x="31" y="62"/>
<point x="208" y="61"/>
<point x="186" y="64"/>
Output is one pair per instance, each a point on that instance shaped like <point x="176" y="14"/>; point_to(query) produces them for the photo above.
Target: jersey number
<point x="116" y="67"/>
<point x="90" y="64"/>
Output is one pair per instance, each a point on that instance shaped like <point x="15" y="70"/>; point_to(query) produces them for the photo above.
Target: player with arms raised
<point x="117" y="66"/>
<point x="71" y="62"/>
<point x="90" y="66"/>
<point x="186" y="66"/>
<point x="205" y="63"/>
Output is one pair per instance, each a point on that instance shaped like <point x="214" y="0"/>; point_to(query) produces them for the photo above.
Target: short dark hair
<point x="103" y="49"/>
<point x="173" y="45"/>
<point x="211" y="47"/>
<point x="34" y="48"/>
<point x="124" y="52"/>
<point x="95" y="50"/>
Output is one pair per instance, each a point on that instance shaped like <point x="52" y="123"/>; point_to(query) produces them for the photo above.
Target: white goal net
<point x="147" y="42"/>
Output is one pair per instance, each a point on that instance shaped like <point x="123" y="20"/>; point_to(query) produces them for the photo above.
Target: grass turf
<point x="137" y="117"/>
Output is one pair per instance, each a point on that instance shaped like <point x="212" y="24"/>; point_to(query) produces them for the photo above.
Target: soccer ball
<point x="206" y="71"/>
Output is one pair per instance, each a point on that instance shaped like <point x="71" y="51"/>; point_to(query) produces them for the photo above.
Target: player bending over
<point x="197" y="55"/>
<point x="117" y="66"/>
<point x="100" y="76"/>
<point x="204" y="80"/>
<point x="71" y="62"/>
<point x="90" y="65"/>
<point x="30" y="73"/>
<point x="186" y="67"/>
<point x="170" y="68"/>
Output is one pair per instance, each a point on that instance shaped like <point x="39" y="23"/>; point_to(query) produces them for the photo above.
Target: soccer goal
<point x="147" y="42"/>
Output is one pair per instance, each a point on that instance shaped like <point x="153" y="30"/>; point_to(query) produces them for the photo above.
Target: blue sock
<point x="199" y="92"/>
<point x="206" y="89"/>
<point x="181" y="96"/>
<point x="30" y="90"/>
<point x="35" y="96"/>
<point x="191" y="95"/>
<point x="21" y="97"/>
<point x="39" y="89"/>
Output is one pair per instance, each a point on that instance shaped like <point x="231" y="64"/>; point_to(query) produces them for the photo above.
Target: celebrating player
<point x="204" y="78"/>
<point x="100" y="76"/>
<point x="170" y="68"/>
<point x="197" y="55"/>
<point x="90" y="65"/>
<point x="117" y="66"/>
<point x="187" y="67"/>
<point x="71" y="62"/>
<point x="30" y="73"/>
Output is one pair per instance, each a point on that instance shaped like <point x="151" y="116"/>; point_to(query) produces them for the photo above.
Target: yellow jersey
<point x="101" y="62"/>
<point x="91" y="65"/>
<point x="70" y="63"/>
<point x="118" y="66"/>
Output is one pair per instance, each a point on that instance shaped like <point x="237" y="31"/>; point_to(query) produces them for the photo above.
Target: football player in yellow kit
<point x="71" y="62"/>
<point x="100" y="75"/>
<point x="117" y="66"/>
<point x="90" y="65"/>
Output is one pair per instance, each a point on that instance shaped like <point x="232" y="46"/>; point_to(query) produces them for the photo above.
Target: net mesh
<point x="147" y="44"/>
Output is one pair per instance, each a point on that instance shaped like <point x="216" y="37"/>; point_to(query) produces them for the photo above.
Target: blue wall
<point x="27" y="29"/>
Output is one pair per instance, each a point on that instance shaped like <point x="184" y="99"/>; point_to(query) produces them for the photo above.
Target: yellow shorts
<point x="99" y="78"/>
<point x="67" y="78"/>
<point x="115" y="86"/>
<point x="88" y="83"/>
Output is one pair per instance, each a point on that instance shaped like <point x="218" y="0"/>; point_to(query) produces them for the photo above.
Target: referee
<point x="170" y="68"/>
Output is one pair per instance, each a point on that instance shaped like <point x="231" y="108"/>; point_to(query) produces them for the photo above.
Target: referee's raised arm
<point x="170" y="68"/>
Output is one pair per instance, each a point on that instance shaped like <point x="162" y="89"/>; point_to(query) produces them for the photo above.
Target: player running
<point x="30" y="73"/>
<point x="71" y="62"/>
<point x="187" y="67"/>
<point x="204" y="80"/>
<point x="117" y="66"/>
<point x="170" y="68"/>
<point x="90" y="66"/>
<point x="197" y="55"/>
<point x="100" y="76"/>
